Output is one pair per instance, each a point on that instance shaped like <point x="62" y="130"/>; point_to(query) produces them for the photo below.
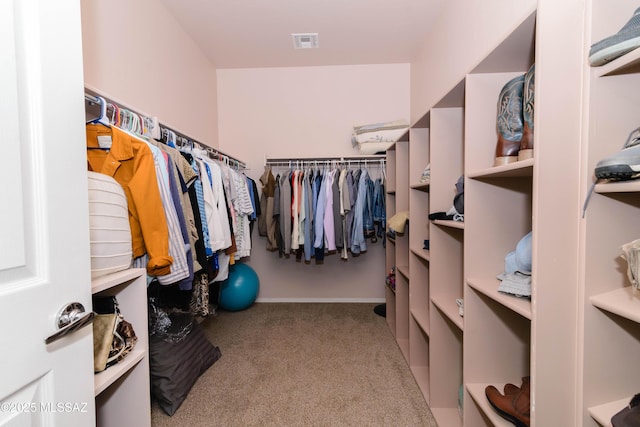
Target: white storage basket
<point x="110" y="232"/>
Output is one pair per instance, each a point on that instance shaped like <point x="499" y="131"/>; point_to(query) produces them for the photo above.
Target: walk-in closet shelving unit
<point x="122" y="391"/>
<point x="447" y="246"/>
<point x="419" y="256"/>
<point x="491" y="344"/>
<point x="402" y="248"/>
<point x="611" y="330"/>
<point x="498" y="207"/>
<point x="499" y="202"/>
<point x="390" y="249"/>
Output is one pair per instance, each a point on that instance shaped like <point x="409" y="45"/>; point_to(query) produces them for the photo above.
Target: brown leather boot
<point x="528" y="95"/>
<point x="509" y="122"/>
<point x="526" y="387"/>
<point x="511" y="389"/>
<point x="513" y="407"/>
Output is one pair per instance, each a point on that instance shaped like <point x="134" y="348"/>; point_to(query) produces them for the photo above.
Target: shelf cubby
<point x="489" y="288"/>
<point x="419" y="356"/>
<point x="402" y="310"/>
<point x="122" y="391"/>
<point x="446" y="357"/>
<point x="497" y="342"/>
<point x="419" y="291"/>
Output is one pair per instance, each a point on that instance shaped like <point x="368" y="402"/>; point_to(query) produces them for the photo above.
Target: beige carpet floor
<point x="302" y="365"/>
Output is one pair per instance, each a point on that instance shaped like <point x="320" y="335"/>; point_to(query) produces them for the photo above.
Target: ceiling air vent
<point x="305" y="40"/>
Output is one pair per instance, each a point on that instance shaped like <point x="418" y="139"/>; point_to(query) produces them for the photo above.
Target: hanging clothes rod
<point x="289" y="161"/>
<point x="96" y="106"/>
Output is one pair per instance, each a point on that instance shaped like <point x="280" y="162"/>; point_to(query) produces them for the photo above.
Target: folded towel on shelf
<point x="379" y="132"/>
<point x="375" y="127"/>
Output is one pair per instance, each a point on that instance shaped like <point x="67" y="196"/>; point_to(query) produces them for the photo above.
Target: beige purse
<point x="104" y="327"/>
<point x="113" y="337"/>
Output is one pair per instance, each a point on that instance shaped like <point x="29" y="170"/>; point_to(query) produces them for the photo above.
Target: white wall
<point x="136" y="53"/>
<point x="306" y="112"/>
<point x="463" y="34"/>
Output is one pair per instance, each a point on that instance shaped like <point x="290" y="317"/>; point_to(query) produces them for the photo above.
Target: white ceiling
<point x="257" y="33"/>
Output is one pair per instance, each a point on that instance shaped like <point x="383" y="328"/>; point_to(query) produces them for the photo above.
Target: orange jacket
<point x="130" y="162"/>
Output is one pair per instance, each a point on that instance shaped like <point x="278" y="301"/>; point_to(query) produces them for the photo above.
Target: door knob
<point x="70" y="319"/>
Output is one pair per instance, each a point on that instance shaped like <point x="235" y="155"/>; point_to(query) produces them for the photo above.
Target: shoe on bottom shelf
<point x="623" y="165"/>
<point x="618" y="44"/>
<point x="514" y="405"/>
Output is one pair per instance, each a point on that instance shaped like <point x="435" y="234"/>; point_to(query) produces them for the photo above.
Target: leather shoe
<point x="515" y="406"/>
<point x="511" y="389"/>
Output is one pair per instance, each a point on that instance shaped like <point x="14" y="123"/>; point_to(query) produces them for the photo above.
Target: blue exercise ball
<point x="240" y="290"/>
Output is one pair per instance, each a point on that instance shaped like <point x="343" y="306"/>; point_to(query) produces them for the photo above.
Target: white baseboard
<point x="323" y="300"/>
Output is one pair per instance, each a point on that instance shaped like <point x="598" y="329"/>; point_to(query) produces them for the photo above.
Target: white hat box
<point x="110" y="232"/>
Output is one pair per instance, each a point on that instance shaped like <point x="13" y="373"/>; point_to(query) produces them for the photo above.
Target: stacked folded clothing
<point x="373" y="138"/>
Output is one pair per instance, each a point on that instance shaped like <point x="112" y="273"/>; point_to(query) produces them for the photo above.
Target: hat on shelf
<point x="520" y="259"/>
<point x="516" y="278"/>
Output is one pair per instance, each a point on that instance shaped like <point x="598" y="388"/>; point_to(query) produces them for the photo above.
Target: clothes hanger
<point x="115" y="114"/>
<point x="102" y="118"/>
<point x="171" y="139"/>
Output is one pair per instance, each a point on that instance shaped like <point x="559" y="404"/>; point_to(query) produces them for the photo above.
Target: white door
<point x="44" y="231"/>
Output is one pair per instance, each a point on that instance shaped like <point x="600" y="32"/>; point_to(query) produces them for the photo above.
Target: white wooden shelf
<point x="420" y="252"/>
<point x="626" y="64"/>
<point x="603" y="413"/>
<point x="523" y="168"/>
<point x="624" y="302"/>
<point x="420" y="187"/>
<point x="489" y="288"/>
<point x="451" y="224"/>
<point x="102" y="380"/>
<point x="422" y="319"/>
<point x="632" y="186"/>
<point x="109" y="281"/>
<point x="450" y="310"/>
<point x="404" y="270"/>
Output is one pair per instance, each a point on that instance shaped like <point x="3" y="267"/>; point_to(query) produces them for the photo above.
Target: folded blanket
<point x="396" y="124"/>
<point x="379" y="132"/>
